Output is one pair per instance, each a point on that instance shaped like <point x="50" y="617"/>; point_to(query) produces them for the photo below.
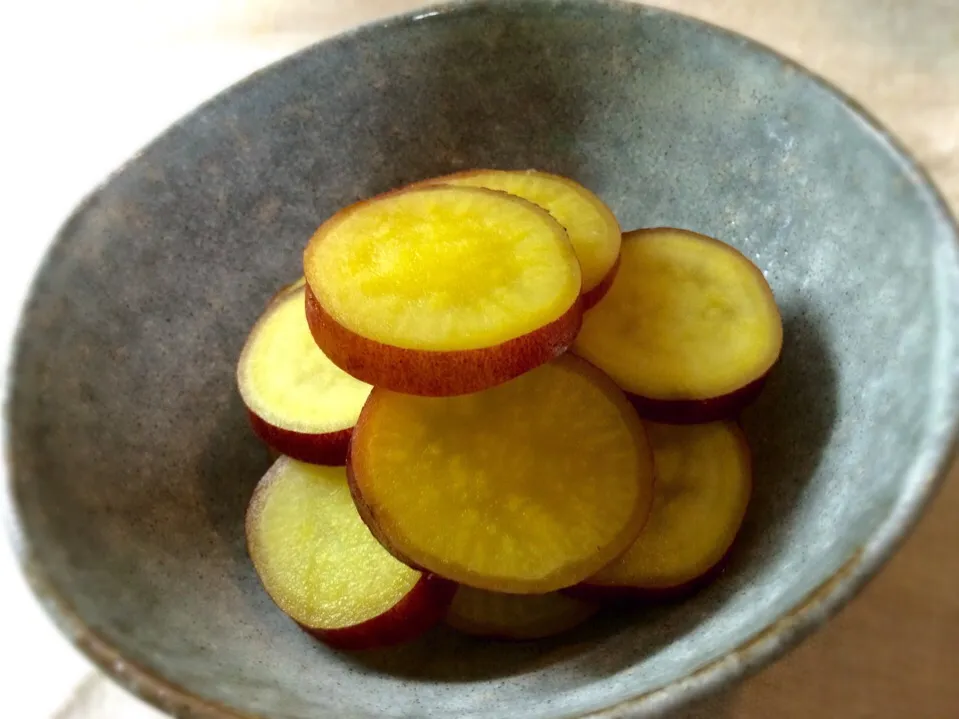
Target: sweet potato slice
<point x="591" y="225"/>
<point x="497" y="615"/>
<point x="322" y="567"/>
<point x="442" y="290"/>
<point x="528" y="487"/>
<point x="299" y="402"/>
<point x="689" y="328"/>
<point x="703" y="484"/>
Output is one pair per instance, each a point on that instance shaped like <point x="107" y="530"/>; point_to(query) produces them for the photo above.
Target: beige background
<point x="894" y="653"/>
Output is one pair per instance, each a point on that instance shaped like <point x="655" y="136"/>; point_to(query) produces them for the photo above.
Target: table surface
<point x="122" y="71"/>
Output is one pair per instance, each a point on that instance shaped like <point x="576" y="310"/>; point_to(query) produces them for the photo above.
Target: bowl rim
<point x="745" y="659"/>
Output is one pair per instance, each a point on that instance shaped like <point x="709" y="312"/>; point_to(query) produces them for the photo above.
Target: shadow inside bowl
<point x="788" y="428"/>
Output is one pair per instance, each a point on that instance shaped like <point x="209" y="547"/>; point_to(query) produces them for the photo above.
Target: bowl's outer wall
<point x="133" y="461"/>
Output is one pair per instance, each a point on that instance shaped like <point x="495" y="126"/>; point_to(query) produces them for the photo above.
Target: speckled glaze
<point x="132" y="460"/>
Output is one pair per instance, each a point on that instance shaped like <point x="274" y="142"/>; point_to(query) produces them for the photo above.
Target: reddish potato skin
<point x="599" y="291"/>
<point x="439" y="373"/>
<point x="330" y="448"/>
<point x="697" y="411"/>
<point x="420" y="610"/>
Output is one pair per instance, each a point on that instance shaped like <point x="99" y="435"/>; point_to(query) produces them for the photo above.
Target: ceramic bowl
<point x="132" y="461"/>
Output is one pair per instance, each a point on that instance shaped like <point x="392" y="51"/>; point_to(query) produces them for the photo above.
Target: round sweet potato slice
<point x="528" y="487"/>
<point x="689" y="328"/>
<point x="442" y="290"/>
<point x="323" y="569"/>
<point x="299" y="402"/>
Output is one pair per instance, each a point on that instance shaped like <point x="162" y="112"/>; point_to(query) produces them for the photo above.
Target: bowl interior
<point x="131" y="455"/>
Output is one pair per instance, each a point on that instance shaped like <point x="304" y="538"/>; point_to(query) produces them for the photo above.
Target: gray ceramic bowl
<point x="132" y="461"/>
